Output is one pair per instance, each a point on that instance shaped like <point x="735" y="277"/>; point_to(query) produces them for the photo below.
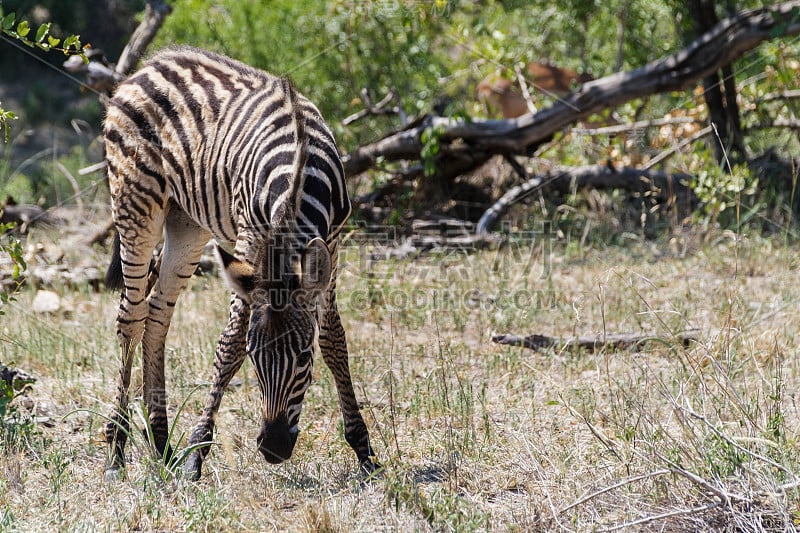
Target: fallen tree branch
<point x="103" y="76"/>
<point x="618" y="341"/>
<point x="466" y="145"/>
<point x="154" y="15"/>
<point x="635" y="126"/>
<point x="15" y="377"/>
<point x="597" y="176"/>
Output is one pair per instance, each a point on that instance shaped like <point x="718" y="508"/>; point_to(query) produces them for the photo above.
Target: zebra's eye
<point x="303" y="358"/>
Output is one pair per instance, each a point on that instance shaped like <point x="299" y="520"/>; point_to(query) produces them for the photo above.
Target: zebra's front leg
<point x="228" y="359"/>
<point x="333" y="345"/>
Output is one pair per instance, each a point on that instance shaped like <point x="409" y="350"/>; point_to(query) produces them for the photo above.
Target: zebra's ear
<point x="239" y="276"/>
<point x="316" y="266"/>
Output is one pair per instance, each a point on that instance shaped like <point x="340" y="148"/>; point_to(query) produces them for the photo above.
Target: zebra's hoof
<point x="193" y="466"/>
<point x="114" y="474"/>
<point x="371" y="469"/>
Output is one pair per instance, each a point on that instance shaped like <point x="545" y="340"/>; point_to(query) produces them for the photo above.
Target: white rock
<point x="46" y="302"/>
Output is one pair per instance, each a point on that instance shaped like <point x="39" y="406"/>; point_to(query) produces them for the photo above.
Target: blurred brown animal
<point x="499" y="93"/>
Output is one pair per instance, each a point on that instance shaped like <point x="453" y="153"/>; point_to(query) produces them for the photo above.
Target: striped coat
<point x="201" y="146"/>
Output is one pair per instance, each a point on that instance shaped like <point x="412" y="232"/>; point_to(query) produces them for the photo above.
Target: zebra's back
<point x="218" y="137"/>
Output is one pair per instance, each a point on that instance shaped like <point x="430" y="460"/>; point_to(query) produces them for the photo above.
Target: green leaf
<point x="52" y="41"/>
<point x="8" y="21"/>
<point x="23" y="29"/>
<point x="42" y="32"/>
<point x="72" y="41"/>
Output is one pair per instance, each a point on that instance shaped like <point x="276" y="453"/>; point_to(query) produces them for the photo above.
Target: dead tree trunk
<point x="661" y="184"/>
<point x="720" y="91"/>
<point x="464" y="146"/>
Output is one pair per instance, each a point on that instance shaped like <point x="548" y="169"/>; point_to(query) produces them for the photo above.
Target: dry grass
<point x="474" y="436"/>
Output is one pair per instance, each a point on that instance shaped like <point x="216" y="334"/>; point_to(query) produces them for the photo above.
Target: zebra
<point x="201" y="146"/>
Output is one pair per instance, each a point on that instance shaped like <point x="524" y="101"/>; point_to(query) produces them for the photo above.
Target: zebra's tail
<point x="114" y="280"/>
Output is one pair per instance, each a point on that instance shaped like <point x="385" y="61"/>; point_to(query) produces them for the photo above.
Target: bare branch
<point x="378" y="109"/>
<point x="103" y="76"/>
<point x="634" y="126"/>
<point x="597" y="176"/>
<point x="678" y="147"/>
<point x="525" y="92"/>
<point x="465" y="145"/>
<point x="661" y="516"/>
<point x="788" y="123"/>
<point x="783" y="95"/>
<point x="621" y="483"/>
<point x="154" y="15"/>
<point x="618" y="341"/>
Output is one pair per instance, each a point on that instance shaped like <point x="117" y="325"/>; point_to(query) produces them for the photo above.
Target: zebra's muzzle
<point x="276" y="440"/>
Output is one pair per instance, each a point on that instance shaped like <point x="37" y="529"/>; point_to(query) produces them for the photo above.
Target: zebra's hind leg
<point x="333" y="345"/>
<point x="183" y="244"/>
<point x="228" y="358"/>
<point x="136" y="244"/>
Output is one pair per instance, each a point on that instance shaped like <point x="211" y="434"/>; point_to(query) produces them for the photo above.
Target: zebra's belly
<point x="213" y="214"/>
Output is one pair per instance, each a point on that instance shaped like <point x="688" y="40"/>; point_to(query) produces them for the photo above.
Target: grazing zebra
<point x="201" y="146"/>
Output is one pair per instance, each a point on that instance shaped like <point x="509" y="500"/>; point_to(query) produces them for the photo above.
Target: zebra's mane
<point x="278" y="253"/>
<point x="286" y="214"/>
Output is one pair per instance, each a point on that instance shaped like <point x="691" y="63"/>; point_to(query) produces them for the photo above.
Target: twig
<point x="617" y="485"/>
<point x="782" y="95"/>
<point x="723" y="496"/>
<point x="788" y="123"/>
<point x="92" y="168"/>
<point x="730" y="441"/>
<point x="524" y="86"/>
<point x="597" y="432"/>
<point x="789" y="486"/>
<point x="378" y="109"/>
<point x="74" y="183"/>
<point x="662" y="516"/>
<point x="667" y="153"/>
<point x="633" y="126"/>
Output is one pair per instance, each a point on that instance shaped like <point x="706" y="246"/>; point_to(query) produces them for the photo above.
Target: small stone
<point x="46" y="302"/>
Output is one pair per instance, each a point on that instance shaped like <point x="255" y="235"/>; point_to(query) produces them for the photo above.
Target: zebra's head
<point x="282" y="290"/>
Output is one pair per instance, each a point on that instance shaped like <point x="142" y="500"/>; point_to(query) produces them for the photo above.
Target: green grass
<point x="473" y="435"/>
